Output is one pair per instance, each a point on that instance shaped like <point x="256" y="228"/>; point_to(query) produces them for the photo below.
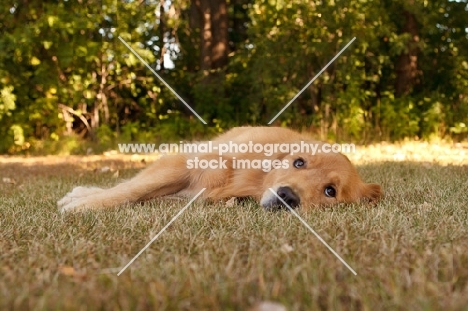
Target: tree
<point x="211" y="17"/>
<point x="64" y="73"/>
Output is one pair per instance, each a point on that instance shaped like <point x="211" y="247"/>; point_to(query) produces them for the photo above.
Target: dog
<point x="300" y="178"/>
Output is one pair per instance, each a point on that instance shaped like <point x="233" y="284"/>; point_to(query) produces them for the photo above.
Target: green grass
<point x="410" y="251"/>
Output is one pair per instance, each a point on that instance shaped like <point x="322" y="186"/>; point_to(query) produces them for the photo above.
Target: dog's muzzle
<point x="272" y="201"/>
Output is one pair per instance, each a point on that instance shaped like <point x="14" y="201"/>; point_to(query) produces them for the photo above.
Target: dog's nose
<point x="288" y="196"/>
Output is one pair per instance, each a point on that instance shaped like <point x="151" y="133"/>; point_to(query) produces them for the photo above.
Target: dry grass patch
<point x="410" y="251"/>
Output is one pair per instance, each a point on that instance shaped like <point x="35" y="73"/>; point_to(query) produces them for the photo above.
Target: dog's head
<point x="321" y="179"/>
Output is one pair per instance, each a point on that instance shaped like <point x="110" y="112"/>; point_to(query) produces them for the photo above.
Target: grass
<point x="410" y="251"/>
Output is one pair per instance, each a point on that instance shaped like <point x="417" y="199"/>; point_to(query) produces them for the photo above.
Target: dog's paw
<point x="76" y="197"/>
<point x="75" y="205"/>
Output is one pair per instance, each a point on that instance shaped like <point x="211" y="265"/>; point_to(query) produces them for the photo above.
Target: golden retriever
<point x="300" y="178"/>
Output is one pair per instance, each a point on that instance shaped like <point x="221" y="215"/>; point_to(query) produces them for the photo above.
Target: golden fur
<point x="304" y="185"/>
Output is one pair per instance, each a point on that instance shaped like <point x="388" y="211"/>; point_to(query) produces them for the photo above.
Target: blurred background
<point x="67" y="82"/>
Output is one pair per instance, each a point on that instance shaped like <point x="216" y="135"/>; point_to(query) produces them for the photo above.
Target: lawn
<point x="410" y="251"/>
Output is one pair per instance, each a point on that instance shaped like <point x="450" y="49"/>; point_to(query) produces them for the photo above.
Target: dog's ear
<point x="371" y="192"/>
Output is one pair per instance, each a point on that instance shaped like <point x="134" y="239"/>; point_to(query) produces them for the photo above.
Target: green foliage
<point x="64" y="73"/>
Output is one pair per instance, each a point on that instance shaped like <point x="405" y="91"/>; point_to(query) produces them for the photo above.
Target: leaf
<point x="51" y="20"/>
<point x="231" y="202"/>
<point x="116" y="174"/>
<point x="268" y="306"/>
<point x="286" y="248"/>
<point x="67" y="270"/>
<point x="71" y="272"/>
<point x="8" y="180"/>
<point x="35" y="61"/>
<point x="47" y="44"/>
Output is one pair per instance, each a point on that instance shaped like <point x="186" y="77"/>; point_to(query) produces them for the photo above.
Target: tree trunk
<point x="214" y="40"/>
<point x="162" y="35"/>
<point x="407" y="64"/>
<point x="219" y="26"/>
<point x="206" y="35"/>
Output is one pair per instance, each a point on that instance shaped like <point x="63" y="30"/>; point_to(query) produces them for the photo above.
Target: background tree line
<point x="64" y="74"/>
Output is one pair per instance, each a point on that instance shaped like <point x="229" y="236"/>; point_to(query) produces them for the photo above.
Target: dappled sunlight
<point x="82" y="161"/>
<point x="441" y="153"/>
<point x="16" y="170"/>
<point x="429" y="153"/>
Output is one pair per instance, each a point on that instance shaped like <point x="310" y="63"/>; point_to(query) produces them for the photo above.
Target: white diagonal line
<point x="312" y="230"/>
<point x="160" y="232"/>
<point x="159" y="77"/>
<point x="313" y="79"/>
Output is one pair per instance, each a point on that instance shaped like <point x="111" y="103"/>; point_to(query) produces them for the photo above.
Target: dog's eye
<point x="298" y="163"/>
<point x="330" y="192"/>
